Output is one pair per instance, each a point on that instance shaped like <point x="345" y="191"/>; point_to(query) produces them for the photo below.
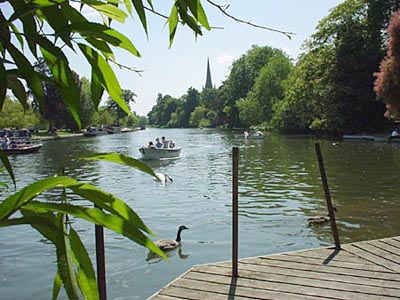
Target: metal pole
<point x="327" y="197"/>
<point x="100" y="260"/>
<point x="235" y="209"/>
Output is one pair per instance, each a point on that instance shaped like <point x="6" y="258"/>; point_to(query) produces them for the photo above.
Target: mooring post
<point x="235" y="209"/>
<point x="328" y="197"/>
<point x="100" y="261"/>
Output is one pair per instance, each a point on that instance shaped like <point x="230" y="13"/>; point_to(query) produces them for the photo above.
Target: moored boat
<point x="95" y="131"/>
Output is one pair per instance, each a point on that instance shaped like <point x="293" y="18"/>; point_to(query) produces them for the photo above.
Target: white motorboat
<point x="159" y="153"/>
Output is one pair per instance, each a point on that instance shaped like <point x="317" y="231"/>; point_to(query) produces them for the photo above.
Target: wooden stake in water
<point x="328" y="197"/>
<point x="101" y="262"/>
<point x="235" y="209"/>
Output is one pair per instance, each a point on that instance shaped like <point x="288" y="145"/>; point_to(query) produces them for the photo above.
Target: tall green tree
<point x="241" y="79"/>
<point x="347" y="46"/>
<point x="129" y="97"/>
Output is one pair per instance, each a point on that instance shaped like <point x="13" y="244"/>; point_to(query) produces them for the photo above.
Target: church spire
<point x="208" y="78"/>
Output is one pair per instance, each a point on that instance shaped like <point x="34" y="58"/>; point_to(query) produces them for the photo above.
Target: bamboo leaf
<point x="110" y="203"/>
<point x="14" y="202"/>
<point x="102" y="46"/>
<point x="57" y="285"/>
<point x="105" y="33"/>
<point x="109" y="10"/>
<point x="122" y="160"/>
<point x="172" y="24"/>
<point x="18" y="90"/>
<point x="86" y="275"/>
<point x="96" y="89"/>
<point x="27" y="72"/>
<point x="63" y="76"/>
<point x="17" y="34"/>
<point x="105" y="76"/>
<point x="65" y="262"/>
<point x="97" y="216"/>
<point x="7" y="165"/>
<point x="198" y="12"/>
<point x="3" y="85"/>
<point x="141" y="13"/>
<point x="56" y="19"/>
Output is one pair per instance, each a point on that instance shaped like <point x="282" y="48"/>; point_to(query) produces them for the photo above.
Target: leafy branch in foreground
<point x="51" y="219"/>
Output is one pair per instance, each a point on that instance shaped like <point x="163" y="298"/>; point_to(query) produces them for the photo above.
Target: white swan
<point x="164" y="178"/>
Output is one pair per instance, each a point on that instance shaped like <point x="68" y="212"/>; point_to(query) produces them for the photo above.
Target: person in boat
<point x="5" y="143"/>
<point x="159" y="145"/>
<point x="171" y="144"/>
<point x="164" y="142"/>
<point x="150" y="145"/>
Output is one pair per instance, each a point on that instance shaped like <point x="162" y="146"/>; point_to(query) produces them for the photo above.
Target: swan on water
<point x="164" y="178"/>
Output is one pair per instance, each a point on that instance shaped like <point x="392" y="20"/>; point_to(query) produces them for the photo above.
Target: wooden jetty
<point x="363" y="270"/>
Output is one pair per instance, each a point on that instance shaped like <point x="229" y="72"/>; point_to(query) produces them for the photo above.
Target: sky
<point x="172" y="71"/>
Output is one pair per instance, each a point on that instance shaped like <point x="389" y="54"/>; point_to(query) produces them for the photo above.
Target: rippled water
<point x="279" y="188"/>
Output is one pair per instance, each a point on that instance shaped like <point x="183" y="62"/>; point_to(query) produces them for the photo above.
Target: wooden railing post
<point x="328" y="197"/>
<point x="100" y="261"/>
<point x="235" y="209"/>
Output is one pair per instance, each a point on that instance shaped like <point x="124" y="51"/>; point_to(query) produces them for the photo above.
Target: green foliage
<point x="13" y="115"/>
<point x="48" y="28"/>
<point x="333" y="86"/>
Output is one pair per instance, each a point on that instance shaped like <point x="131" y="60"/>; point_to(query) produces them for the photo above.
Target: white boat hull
<point x="163" y="153"/>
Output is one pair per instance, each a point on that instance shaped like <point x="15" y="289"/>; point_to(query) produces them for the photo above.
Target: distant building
<point x="208" y="84"/>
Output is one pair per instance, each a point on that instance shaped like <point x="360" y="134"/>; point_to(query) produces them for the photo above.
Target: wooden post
<point x="235" y="209"/>
<point x="328" y="197"/>
<point x="100" y="260"/>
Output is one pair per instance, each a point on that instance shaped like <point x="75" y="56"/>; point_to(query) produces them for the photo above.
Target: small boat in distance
<point x="95" y="131"/>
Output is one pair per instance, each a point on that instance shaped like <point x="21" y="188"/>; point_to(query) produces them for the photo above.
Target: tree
<point x="343" y="54"/>
<point x="48" y="27"/>
<point x="190" y="101"/>
<point x="387" y="83"/>
<point x="13" y="115"/>
<point x="115" y="109"/>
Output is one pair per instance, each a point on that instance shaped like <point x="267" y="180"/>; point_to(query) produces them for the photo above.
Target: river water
<point x="279" y="188"/>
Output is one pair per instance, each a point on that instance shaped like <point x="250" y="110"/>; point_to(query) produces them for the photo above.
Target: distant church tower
<point x="208" y="78"/>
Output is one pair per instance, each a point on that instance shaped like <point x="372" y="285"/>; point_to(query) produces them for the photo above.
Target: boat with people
<point x="20" y="143"/>
<point x="161" y="150"/>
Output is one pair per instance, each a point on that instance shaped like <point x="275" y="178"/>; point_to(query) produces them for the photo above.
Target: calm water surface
<point x="280" y="188"/>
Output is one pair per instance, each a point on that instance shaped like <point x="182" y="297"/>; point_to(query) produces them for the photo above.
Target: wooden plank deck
<point x="363" y="270"/>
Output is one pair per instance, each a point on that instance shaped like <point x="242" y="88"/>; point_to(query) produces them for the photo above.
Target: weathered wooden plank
<point x="324" y="254"/>
<point x="392" y="243"/>
<point x="163" y="297"/>
<point x="388" y="247"/>
<point x="253" y="289"/>
<point x="359" y="263"/>
<point x="177" y="292"/>
<point x="259" y="279"/>
<point x="289" y="285"/>
<point x="365" y="251"/>
<point x="366" y="271"/>
<point x="385" y="281"/>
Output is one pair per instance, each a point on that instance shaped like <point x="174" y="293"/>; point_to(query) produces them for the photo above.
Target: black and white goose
<point x="167" y="245"/>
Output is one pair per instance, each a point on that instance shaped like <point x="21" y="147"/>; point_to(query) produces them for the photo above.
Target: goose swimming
<point x="167" y="245"/>
<point x="319" y="220"/>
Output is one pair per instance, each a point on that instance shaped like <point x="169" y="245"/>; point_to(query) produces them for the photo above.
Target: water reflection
<point x="153" y="258"/>
<point x="279" y="188"/>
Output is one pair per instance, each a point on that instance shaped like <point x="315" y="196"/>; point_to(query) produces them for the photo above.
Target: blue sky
<point x="172" y="71"/>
